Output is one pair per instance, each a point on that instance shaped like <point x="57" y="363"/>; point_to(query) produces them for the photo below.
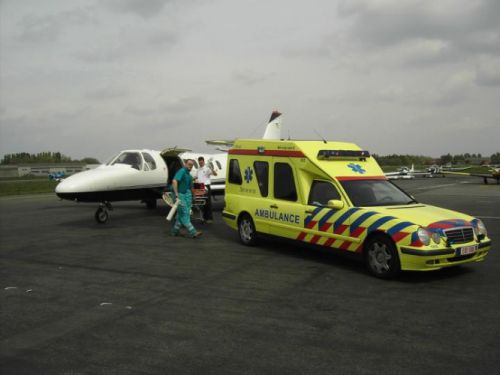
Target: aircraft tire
<point x="101" y="215"/>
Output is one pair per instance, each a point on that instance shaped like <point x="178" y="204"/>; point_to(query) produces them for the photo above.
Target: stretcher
<point x="200" y="196"/>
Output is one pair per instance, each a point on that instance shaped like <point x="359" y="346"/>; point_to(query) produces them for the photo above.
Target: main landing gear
<point x="102" y="215"/>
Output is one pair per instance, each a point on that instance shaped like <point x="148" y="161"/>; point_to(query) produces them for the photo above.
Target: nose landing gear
<point x="102" y="215"/>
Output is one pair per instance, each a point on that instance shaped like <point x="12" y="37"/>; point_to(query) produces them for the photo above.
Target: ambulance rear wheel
<point x="381" y="257"/>
<point x="246" y="229"/>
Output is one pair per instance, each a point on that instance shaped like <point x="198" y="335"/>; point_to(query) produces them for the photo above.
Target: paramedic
<point x="182" y="184"/>
<point x="203" y="176"/>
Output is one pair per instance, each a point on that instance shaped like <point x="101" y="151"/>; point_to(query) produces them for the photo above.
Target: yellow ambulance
<point x="335" y="195"/>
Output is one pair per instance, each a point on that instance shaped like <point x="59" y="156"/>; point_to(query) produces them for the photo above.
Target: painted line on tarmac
<point x="434" y="187"/>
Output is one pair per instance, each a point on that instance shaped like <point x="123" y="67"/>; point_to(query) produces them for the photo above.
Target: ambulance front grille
<point x="459" y="235"/>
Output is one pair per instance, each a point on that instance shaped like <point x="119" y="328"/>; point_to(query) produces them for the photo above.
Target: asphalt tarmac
<point x="77" y="297"/>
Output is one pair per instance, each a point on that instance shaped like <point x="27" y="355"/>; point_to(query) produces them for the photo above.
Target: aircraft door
<point x="327" y="217"/>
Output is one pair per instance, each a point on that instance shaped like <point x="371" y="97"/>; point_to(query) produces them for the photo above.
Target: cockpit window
<point x="150" y="162"/>
<point x="375" y="193"/>
<point x="133" y="159"/>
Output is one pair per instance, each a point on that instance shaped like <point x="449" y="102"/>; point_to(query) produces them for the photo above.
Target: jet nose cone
<point x="73" y="186"/>
<point x="68" y="185"/>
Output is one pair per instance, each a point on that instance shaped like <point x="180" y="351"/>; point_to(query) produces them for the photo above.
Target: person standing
<point x="182" y="184"/>
<point x="203" y="176"/>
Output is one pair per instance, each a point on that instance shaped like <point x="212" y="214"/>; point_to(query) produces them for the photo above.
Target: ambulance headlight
<point x="424" y="236"/>
<point x="480" y="228"/>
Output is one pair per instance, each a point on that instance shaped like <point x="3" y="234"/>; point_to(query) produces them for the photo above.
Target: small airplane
<point x="143" y="175"/>
<point x="403" y="173"/>
<point x="485" y="172"/>
<point x="56" y="176"/>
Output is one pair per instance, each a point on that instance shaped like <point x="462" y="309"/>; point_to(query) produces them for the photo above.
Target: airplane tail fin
<point x="273" y="129"/>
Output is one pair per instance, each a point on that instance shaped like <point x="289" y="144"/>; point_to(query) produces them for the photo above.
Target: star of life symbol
<point x="248" y="174"/>
<point x="356" y="168"/>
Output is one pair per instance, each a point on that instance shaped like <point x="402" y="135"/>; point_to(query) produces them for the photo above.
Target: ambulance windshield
<point x="375" y="193"/>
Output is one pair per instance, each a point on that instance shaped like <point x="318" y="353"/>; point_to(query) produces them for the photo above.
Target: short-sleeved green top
<point x="184" y="180"/>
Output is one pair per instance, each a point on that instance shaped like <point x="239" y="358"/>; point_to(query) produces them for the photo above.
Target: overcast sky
<point x="90" y="77"/>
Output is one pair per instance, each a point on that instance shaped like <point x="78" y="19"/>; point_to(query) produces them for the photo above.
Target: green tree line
<point x="473" y="159"/>
<point x="43" y="157"/>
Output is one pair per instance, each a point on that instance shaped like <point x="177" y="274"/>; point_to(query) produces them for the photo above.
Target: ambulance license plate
<point x="466" y="250"/>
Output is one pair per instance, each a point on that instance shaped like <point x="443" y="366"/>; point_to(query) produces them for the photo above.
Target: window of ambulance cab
<point x="150" y="163"/>
<point x="284" y="183"/>
<point x="321" y="192"/>
<point x="235" y="172"/>
<point x="262" y="173"/>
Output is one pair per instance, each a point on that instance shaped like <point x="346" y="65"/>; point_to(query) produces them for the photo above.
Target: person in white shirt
<point x="203" y="174"/>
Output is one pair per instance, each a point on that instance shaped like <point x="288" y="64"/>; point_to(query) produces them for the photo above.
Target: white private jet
<point x="130" y="175"/>
<point x="143" y="175"/>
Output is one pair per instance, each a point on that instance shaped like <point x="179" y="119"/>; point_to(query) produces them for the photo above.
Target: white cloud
<point x="488" y="72"/>
<point x="143" y="8"/>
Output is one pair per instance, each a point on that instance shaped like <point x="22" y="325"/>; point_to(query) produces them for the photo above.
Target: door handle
<point x="273" y="206"/>
<point x="309" y="211"/>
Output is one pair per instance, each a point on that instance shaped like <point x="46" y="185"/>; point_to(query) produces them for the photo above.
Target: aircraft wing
<point x="217" y="142"/>
<point x="491" y="173"/>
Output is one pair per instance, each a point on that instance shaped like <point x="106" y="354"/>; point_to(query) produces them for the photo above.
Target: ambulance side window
<point x="321" y="193"/>
<point x="262" y="174"/>
<point x="284" y="184"/>
<point x="234" y="172"/>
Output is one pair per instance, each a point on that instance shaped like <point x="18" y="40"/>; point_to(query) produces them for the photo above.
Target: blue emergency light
<point x="342" y="154"/>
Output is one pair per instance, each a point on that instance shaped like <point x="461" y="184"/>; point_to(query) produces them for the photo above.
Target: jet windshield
<point x="133" y="159"/>
<point x="375" y="193"/>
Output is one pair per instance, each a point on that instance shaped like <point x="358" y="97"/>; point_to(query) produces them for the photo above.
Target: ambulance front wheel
<point x="381" y="257"/>
<point x="246" y="229"/>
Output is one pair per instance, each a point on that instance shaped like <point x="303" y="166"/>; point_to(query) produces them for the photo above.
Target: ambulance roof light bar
<point x="342" y="154"/>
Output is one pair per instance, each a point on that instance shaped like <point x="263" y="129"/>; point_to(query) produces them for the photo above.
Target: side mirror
<point x="335" y="204"/>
